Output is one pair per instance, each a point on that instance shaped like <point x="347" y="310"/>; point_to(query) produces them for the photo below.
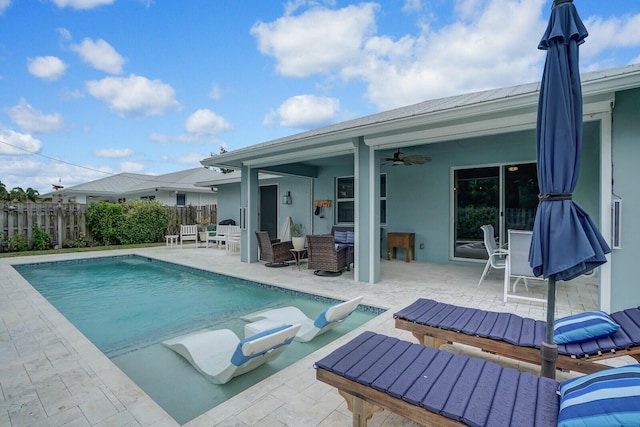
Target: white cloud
<point x="134" y="95"/>
<point x="46" y="67"/>
<point x="608" y="35"/>
<point x="17" y="143"/>
<point x="81" y="4"/>
<point x="215" y="92"/>
<point x="132" y="167"/>
<point x="100" y="55"/>
<point x="159" y="138"/>
<point x="190" y="158"/>
<point x="488" y="44"/>
<point x="32" y="120"/>
<point x="65" y="35"/>
<point x="4" y="4"/>
<point x="31" y="171"/>
<point x="412" y="6"/>
<point x="318" y="41"/>
<point x="493" y="49"/>
<point x="206" y="122"/>
<point x="113" y="153"/>
<point x="305" y="111"/>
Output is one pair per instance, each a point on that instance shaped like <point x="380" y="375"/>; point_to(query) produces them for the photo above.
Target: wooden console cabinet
<point x="402" y="240"/>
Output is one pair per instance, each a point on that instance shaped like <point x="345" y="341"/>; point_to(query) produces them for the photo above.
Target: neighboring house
<point x="172" y="189"/>
<point x="483" y="170"/>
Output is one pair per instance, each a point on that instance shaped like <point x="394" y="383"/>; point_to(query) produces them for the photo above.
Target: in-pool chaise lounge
<point x="505" y="334"/>
<point x="328" y="318"/>
<point x="438" y="388"/>
<point x="220" y="355"/>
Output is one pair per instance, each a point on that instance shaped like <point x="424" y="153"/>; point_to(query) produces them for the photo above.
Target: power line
<point x="54" y="159"/>
<point x="142" y="176"/>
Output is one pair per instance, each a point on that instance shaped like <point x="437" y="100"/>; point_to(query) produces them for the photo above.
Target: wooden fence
<point x="67" y="222"/>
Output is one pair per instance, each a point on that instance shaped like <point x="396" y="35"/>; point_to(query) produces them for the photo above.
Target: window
<point x="181" y="199"/>
<point x="345" y="199"/>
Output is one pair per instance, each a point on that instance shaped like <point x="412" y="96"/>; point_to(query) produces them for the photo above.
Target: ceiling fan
<point x="399" y="158"/>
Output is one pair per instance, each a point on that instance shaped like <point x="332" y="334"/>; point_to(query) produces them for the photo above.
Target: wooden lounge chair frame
<point x="434" y="336"/>
<point x="360" y="367"/>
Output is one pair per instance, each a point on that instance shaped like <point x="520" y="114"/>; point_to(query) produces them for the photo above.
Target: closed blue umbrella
<point x="566" y="243"/>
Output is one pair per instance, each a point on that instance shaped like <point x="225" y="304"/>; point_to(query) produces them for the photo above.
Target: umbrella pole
<point x="548" y="350"/>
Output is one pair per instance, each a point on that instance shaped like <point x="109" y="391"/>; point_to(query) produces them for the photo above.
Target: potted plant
<point x="297" y="236"/>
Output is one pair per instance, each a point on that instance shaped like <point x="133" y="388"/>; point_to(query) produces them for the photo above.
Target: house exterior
<point x="172" y="189"/>
<point x="483" y="152"/>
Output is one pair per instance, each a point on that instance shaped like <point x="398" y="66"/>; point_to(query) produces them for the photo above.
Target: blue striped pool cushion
<point x="583" y="326"/>
<point x="607" y="398"/>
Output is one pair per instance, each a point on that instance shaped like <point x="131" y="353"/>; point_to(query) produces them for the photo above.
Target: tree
<point x="32" y="194"/>
<point x="225" y="170"/>
<point x="4" y="194"/>
<point x="18" y="195"/>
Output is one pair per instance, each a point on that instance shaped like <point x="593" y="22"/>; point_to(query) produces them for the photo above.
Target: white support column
<point x="606" y="200"/>
<point x="249" y="199"/>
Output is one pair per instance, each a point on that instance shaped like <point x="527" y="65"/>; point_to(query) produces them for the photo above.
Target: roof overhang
<point x="465" y="116"/>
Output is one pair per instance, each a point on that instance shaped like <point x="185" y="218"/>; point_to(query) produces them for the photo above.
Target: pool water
<point x="128" y="305"/>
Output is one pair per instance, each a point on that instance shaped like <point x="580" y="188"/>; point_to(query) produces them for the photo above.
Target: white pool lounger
<point x="220" y="355"/>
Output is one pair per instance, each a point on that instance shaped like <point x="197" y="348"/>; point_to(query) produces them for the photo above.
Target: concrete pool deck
<point x="51" y="375"/>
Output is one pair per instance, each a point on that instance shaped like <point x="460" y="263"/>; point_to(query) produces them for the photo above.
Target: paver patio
<point x="51" y="375"/>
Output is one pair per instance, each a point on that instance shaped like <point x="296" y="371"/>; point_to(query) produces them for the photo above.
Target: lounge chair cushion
<point x="607" y="398"/>
<point x="583" y="326"/>
<point x="340" y="237"/>
<point x="256" y="345"/>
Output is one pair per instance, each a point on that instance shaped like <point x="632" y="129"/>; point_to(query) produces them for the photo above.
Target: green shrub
<point x="41" y="240"/>
<point x="81" y="241"/>
<point x="19" y="242"/>
<point x="145" y="221"/>
<point x="104" y="220"/>
<point x="470" y="219"/>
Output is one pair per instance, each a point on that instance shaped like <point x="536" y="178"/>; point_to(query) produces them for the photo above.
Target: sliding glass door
<point x="505" y="196"/>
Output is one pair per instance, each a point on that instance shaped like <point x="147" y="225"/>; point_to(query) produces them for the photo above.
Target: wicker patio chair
<point x="275" y="252"/>
<point x="324" y="258"/>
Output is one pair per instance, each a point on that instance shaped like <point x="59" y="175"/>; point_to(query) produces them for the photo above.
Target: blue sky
<point x="90" y="88"/>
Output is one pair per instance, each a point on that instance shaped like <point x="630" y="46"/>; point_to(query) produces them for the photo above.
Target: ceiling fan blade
<point x="417" y="159"/>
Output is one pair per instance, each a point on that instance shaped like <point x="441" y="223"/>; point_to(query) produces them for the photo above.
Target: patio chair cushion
<point x="607" y="398"/>
<point x="583" y="326"/>
<point x="350" y="238"/>
<point x="340" y="236"/>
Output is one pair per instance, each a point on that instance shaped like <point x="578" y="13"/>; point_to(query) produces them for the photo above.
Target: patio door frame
<point x="500" y="229"/>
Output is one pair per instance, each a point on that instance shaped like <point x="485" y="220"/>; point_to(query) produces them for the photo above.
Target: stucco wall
<point x="626" y="156"/>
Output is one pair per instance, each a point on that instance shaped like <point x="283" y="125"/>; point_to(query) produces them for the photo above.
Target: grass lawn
<point x="71" y="250"/>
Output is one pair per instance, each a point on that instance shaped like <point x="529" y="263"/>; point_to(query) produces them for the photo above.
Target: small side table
<point x="298" y="255"/>
<point x="172" y="239"/>
<point x="402" y="240"/>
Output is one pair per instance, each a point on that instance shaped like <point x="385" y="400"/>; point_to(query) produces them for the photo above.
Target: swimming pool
<point x="128" y="305"/>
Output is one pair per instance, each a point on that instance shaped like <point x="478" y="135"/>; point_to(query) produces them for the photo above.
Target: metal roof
<point x="334" y="139"/>
<point x="128" y="183"/>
